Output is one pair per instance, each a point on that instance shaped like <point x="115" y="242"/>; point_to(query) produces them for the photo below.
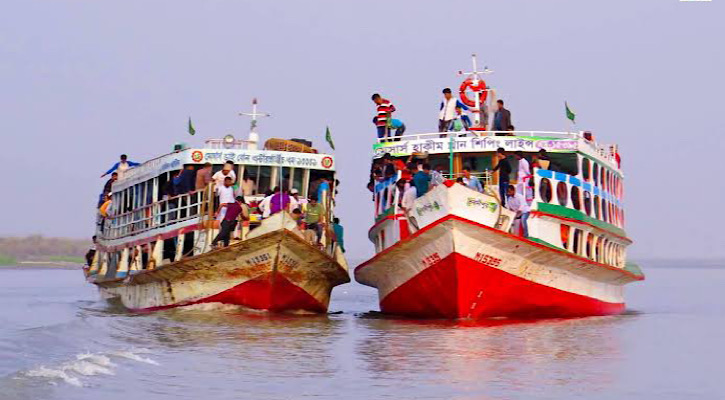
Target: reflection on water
<point x="470" y="353"/>
<point x="58" y="341"/>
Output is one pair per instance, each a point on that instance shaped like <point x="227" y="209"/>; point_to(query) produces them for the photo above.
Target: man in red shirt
<point x="385" y="114"/>
<point x="230" y="220"/>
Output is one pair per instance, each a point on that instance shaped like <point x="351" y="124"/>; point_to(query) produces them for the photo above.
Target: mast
<point x="253" y="136"/>
<point x="475" y="77"/>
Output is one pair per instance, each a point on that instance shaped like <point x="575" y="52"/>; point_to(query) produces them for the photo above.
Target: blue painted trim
<point x="575" y="181"/>
<point x="596" y="191"/>
<point x="587" y="187"/>
<point x="545" y="173"/>
<point x="560" y="176"/>
<point x="121" y="274"/>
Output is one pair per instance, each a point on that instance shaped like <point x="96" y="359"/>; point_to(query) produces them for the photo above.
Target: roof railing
<point x="446" y="135"/>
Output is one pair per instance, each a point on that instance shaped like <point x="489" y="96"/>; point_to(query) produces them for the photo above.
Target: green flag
<point x="192" y="131"/>
<point x="569" y="113"/>
<point x="328" y="137"/>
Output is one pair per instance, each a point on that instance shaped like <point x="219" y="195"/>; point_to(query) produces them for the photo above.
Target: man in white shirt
<point x="516" y="202"/>
<point x="227" y="171"/>
<point x="472" y="181"/>
<point x="409" y="194"/>
<point x="436" y="176"/>
<point x="226" y="196"/>
<point x="265" y="206"/>
<point x="523" y="175"/>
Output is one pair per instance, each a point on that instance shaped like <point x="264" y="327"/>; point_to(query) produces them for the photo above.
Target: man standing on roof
<point x="502" y="119"/>
<point x="504" y="172"/>
<point x="121" y="166"/>
<point x="448" y="110"/>
<point x="385" y="110"/>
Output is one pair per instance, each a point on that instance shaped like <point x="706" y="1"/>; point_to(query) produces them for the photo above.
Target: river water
<point x="59" y="341"/>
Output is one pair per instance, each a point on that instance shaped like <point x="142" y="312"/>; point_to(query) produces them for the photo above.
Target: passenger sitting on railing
<point x="421" y="180"/>
<point x="121" y="166"/>
<point x="471" y="181"/>
<point x="227" y="171"/>
<point x="232" y="211"/>
<point x="516" y="202"/>
<point x="226" y="195"/>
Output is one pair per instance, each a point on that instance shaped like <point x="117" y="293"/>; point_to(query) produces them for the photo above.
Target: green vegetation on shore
<point x="14" y="250"/>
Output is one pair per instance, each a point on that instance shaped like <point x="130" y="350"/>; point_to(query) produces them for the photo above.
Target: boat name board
<point x="476" y="143"/>
<point x="176" y="161"/>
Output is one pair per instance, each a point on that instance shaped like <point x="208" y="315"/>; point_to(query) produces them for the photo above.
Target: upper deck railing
<point x="502" y="134"/>
<point x="221" y="144"/>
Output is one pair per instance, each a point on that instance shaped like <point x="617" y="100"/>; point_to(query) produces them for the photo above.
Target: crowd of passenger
<point x="452" y="117"/>
<point x="230" y="205"/>
<point x="415" y="178"/>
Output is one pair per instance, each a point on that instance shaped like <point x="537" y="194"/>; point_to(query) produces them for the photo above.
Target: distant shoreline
<point x="43" y="265"/>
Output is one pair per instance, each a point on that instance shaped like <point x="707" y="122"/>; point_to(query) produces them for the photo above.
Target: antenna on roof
<point x="253" y="136"/>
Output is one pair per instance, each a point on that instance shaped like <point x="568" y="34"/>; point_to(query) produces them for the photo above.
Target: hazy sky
<point x="83" y="81"/>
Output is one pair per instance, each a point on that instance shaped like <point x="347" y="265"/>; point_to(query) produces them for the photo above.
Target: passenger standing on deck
<point x="226" y="195"/>
<point x="542" y="161"/>
<point x="517" y="203"/>
<point x="281" y="201"/>
<point x="121" y="166"/>
<point x="339" y="233"/>
<point x="385" y="110"/>
<point x="203" y="177"/>
<point x="462" y="122"/>
<point x="265" y="205"/>
<point x="421" y="180"/>
<point x="315" y="219"/>
<point x="504" y="172"/>
<point x="472" y="181"/>
<point x="187" y="180"/>
<point x="301" y="202"/>
<point x="501" y="119"/>
<point x="523" y="175"/>
<point x="436" y="176"/>
<point x="229" y="220"/>
<point x="448" y="110"/>
<point x="227" y="171"/>
<point x="249" y="187"/>
<point x="407" y="194"/>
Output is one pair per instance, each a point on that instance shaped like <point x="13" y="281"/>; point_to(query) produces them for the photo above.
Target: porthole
<point x="585" y="168"/>
<point x="589" y="246"/>
<point x="561" y="193"/>
<point x="605" y="212"/>
<point x="595" y="173"/>
<point x="576" y="242"/>
<point x="565" y="235"/>
<point x="545" y="190"/>
<point x="575" y="199"/>
<point x="596" y="206"/>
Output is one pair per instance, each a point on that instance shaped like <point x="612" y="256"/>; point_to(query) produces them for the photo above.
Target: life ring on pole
<point x="480" y="88"/>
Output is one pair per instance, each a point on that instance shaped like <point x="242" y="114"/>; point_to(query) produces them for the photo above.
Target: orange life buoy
<point x="480" y="88"/>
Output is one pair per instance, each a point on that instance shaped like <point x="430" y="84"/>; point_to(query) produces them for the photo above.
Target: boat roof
<point x="245" y="156"/>
<point x="486" y="141"/>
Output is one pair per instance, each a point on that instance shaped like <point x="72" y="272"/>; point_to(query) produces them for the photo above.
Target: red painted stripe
<point x="459" y="287"/>
<point x="523" y="240"/>
<point x="271" y="292"/>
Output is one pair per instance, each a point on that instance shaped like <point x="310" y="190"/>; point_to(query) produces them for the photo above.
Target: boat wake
<point x="86" y="365"/>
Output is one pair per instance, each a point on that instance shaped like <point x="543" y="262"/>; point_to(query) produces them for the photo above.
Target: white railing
<point x="439" y="135"/>
<point x="157" y="215"/>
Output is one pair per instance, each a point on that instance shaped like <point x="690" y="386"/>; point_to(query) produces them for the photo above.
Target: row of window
<point x="594" y="247"/>
<point x="602" y="177"/>
<point x="582" y="200"/>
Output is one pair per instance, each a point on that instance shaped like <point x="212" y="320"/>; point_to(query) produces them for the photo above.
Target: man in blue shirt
<point x="339" y="232"/>
<point x="421" y="180"/>
<point x="121" y="166"/>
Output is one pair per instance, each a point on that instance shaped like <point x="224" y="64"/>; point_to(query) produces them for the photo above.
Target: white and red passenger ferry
<point x="155" y="253"/>
<point x="452" y="255"/>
